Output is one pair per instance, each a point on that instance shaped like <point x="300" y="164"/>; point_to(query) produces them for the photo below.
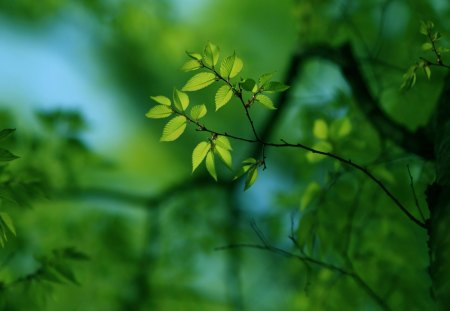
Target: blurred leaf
<point x="427" y="71"/>
<point x="6" y="155"/>
<point x="320" y="129"/>
<point x="210" y="166"/>
<point x="252" y="175"/>
<point x="5" y="133"/>
<point x="198" y="112"/>
<point x="223" y="96"/>
<point x="265" y="78"/>
<point x="159" y="111"/>
<point x="174" y="128"/>
<point x="163" y="100"/>
<point x="427" y="46"/>
<point x="309" y="194"/>
<point x="320" y="146"/>
<point x="7" y="221"/>
<point x="274" y="87"/>
<point x="199" y="154"/>
<point x="199" y="81"/>
<point x="265" y="101"/>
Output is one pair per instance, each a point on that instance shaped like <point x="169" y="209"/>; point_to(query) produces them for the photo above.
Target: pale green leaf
<point x="198" y="112"/>
<point x="199" y="154"/>
<point x="163" y="100"/>
<point x="427" y="71"/>
<point x="223" y="142"/>
<point x="191" y="65"/>
<point x="320" y="129"/>
<point x="322" y="146"/>
<point x="423" y="28"/>
<point x="237" y="67"/>
<point x="211" y="54"/>
<point x="244" y="169"/>
<point x="273" y="87"/>
<point x="210" y="165"/>
<point x="427" y="46"/>
<point x="223" y="96"/>
<point x="249" y="161"/>
<point x="158" y="112"/>
<point x="193" y="55"/>
<point x="227" y="65"/>
<point x="224" y="155"/>
<point x="251" y="177"/>
<point x="7" y="221"/>
<point x="340" y="128"/>
<point x="265" y="78"/>
<point x="199" y="81"/>
<point x="174" y="128"/>
<point x="180" y="100"/>
<point x="265" y="101"/>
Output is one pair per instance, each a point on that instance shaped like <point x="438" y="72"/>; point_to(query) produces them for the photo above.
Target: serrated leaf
<point x="223" y="96"/>
<point x="224" y="155"/>
<point x="265" y="78"/>
<point x="237" y="67"/>
<point x="174" y="128"/>
<point x="198" y="112"/>
<point x="6" y="155"/>
<point x="199" y="154"/>
<point x="199" y="81"/>
<point x="193" y="55"/>
<point x="211" y="54"/>
<point x="163" y="100"/>
<point x="159" y="112"/>
<point x="191" y="65"/>
<point x="274" y="87"/>
<point x="251" y="177"/>
<point x="5" y="133"/>
<point x="320" y="129"/>
<point x="427" y="71"/>
<point x="180" y="100"/>
<point x="427" y="46"/>
<point x="227" y="65"/>
<point x="210" y="166"/>
<point x="7" y="221"/>
<point x="223" y="142"/>
<point x="265" y="101"/>
<point x="248" y="84"/>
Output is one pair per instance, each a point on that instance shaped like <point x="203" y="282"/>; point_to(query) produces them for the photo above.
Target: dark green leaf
<point x="5" y="133"/>
<point x="6" y="155"/>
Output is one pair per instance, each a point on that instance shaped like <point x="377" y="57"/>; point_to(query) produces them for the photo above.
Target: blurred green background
<point x="75" y="81"/>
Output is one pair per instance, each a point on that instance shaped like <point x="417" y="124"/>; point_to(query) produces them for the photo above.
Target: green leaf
<point x="158" y="112"/>
<point x="6" y="155"/>
<point x="199" y="81"/>
<point x="223" y="142"/>
<point x="310" y="193"/>
<point x="423" y="28"/>
<point x="193" y="55"/>
<point x="320" y="146"/>
<point x="199" y="154"/>
<point x="265" y="78"/>
<point x="251" y="177"/>
<point x="427" y="70"/>
<point x="7" y="221"/>
<point x="5" y="133"/>
<point x="223" y="96"/>
<point x="191" y="65"/>
<point x="274" y="87"/>
<point x="224" y="155"/>
<point x="248" y="85"/>
<point x="320" y="129"/>
<point x="265" y="101"/>
<point x="66" y="273"/>
<point x="174" y="128"/>
<point x="163" y="100"/>
<point x="198" y="112"/>
<point x="244" y="169"/>
<point x="427" y="46"/>
<point x="340" y="128"/>
<point x="249" y="161"/>
<point x="211" y="54"/>
<point x="237" y="67"/>
<point x="180" y="100"/>
<point x="210" y="166"/>
<point x="227" y="65"/>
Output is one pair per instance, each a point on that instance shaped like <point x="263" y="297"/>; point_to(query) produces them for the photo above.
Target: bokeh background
<point x="75" y="81"/>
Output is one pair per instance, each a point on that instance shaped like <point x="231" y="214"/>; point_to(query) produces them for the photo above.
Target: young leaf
<point x="198" y="112"/>
<point x="7" y="221"/>
<point x="158" y="112"/>
<point x="223" y="142"/>
<point x="163" y="100"/>
<point x="248" y="85"/>
<point x="237" y="67"/>
<point x="249" y="161"/>
<point x="211" y="54"/>
<point x="427" y="70"/>
<point x="210" y="166"/>
<point x="174" y="128"/>
<point x="227" y="65"/>
<point x="265" y="101"/>
<point x="224" y="155"/>
<point x="223" y="96"/>
<point x="427" y="46"/>
<point x="273" y="87"/>
<point x="320" y="129"/>
<point x="199" y="154"/>
<point x="251" y="177"/>
<point x="5" y="133"/>
<point x="199" y="81"/>
<point x="180" y="100"/>
<point x="191" y="65"/>
<point x="265" y="78"/>
<point x="6" y="155"/>
<point x="193" y="55"/>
